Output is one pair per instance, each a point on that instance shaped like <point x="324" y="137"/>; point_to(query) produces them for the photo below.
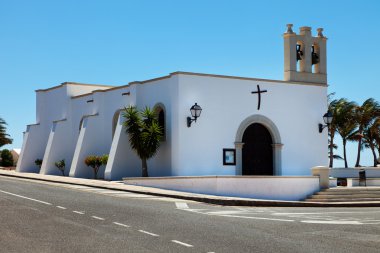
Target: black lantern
<point x="195" y="111"/>
<point x="327" y="118"/>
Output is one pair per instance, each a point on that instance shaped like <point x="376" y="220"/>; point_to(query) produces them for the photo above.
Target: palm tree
<point x="370" y="136"/>
<point x="377" y="142"/>
<point x="4" y="137"/>
<point x="345" y="123"/>
<point x="333" y="107"/>
<point x="144" y="133"/>
<point x="365" y="115"/>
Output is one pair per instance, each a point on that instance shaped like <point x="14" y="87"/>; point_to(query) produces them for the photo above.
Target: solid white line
<point x="325" y="213"/>
<point x="148" y="233"/>
<point x="182" y="243"/>
<point x="181" y="205"/>
<point x="336" y="222"/>
<point x="98" y="218"/>
<point x="78" y="212"/>
<point x="61" y="207"/>
<point x="36" y="200"/>
<point x="121" y="224"/>
<point x="254" y="218"/>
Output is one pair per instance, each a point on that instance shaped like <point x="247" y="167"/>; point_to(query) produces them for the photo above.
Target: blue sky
<point x="45" y="43"/>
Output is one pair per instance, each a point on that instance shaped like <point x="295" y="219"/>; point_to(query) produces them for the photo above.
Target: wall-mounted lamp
<point x="327" y="118"/>
<point x="195" y="113"/>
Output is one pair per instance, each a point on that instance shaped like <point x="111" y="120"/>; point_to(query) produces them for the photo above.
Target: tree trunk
<point x="344" y="153"/>
<point x="331" y="149"/>
<point x="96" y="172"/>
<point x="144" y="167"/>
<point x="357" y="164"/>
<point x="63" y="172"/>
<point x="374" y="155"/>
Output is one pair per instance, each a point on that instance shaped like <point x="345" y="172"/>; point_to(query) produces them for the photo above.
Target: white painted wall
<point x="273" y="188"/>
<point x="33" y="147"/>
<point x="52" y="104"/>
<point x="88" y="144"/>
<point x="373" y="172"/>
<point x="295" y="109"/>
<point x="59" y="146"/>
<point x="123" y="161"/>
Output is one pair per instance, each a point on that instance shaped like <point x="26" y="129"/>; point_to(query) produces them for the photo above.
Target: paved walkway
<point x="219" y="200"/>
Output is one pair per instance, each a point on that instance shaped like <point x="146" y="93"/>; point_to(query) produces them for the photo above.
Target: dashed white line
<point x="148" y="233"/>
<point x="121" y="224"/>
<point x="78" y="212"/>
<point x="181" y="205"/>
<point x="182" y="243"/>
<point x="97" y="218"/>
<point x="61" y="207"/>
<point x="20" y="196"/>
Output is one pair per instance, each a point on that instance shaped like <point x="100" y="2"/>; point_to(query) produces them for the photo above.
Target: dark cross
<point x="259" y="93"/>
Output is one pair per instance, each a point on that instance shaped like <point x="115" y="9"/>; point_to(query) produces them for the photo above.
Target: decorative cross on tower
<point x="259" y="94"/>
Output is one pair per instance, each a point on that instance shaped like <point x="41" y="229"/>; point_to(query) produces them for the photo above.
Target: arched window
<point x="160" y="112"/>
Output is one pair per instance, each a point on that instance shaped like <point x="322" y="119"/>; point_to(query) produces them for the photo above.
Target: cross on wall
<point x="258" y="92"/>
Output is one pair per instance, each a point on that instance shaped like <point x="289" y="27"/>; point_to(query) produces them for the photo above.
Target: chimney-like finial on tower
<point x="289" y="30"/>
<point x="320" y="34"/>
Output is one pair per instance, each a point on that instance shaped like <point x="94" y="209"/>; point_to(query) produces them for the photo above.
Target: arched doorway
<point x="257" y="151"/>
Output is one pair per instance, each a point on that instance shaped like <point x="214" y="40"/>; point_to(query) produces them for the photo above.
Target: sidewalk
<point x="219" y="200"/>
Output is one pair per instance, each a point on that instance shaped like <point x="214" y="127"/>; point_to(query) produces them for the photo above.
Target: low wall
<point x="354" y="172"/>
<point x="351" y="182"/>
<point x="259" y="187"/>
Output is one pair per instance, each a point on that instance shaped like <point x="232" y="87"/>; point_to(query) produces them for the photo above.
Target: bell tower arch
<point x="305" y="56"/>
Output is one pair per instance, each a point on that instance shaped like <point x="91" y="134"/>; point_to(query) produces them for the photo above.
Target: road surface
<point x="49" y="217"/>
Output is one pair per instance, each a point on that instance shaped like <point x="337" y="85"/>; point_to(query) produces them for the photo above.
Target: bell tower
<point x="305" y="56"/>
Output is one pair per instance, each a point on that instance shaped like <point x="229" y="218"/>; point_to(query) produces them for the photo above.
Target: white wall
<point x="373" y="172"/>
<point x="59" y="146"/>
<point x="123" y="161"/>
<point x="165" y="92"/>
<point x="33" y="148"/>
<point x="88" y="144"/>
<point x="51" y="105"/>
<point x="273" y="188"/>
<point x="295" y="109"/>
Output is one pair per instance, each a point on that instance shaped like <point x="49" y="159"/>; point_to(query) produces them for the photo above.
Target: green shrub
<point x="38" y="162"/>
<point x="95" y="162"/>
<point x="61" y="166"/>
<point x="6" y="158"/>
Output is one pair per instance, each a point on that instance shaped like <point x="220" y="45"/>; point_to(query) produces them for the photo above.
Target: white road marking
<point x="121" y="224"/>
<point x="148" y="233"/>
<point x="324" y="213"/>
<point x="182" y="243"/>
<point x="181" y="205"/>
<point x="98" y="218"/>
<point x="78" y="212"/>
<point x="20" y="196"/>
<point x="337" y="222"/>
<point x="254" y="218"/>
<point x="224" y="212"/>
<point x="61" y="207"/>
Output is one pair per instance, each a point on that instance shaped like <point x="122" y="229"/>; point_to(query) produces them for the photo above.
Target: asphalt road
<point x="48" y="217"/>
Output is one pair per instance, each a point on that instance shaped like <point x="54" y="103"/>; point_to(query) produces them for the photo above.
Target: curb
<point x="210" y="199"/>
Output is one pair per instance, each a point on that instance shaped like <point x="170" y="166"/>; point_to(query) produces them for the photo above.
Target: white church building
<point x="247" y="126"/>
